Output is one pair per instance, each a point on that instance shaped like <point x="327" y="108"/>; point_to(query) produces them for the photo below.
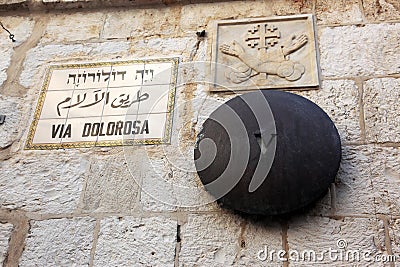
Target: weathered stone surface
<point x="373" y="49"/>
<point x="385" y="169"/>
<point x="21" y="28"/>
<point x="163" y="47"/>
<point x="68" y="28"/>
<point x="340" y="11"/>
<point x="379" y="10"/>
<point x="169" y="185"/>
<point x="132" y="241"/>
<point x="38" y="57"/>
<point x="354" y="188"/>
<point x="287" y="7"/>
<point x="198" y="16"/>
<point x="394" y="232"/>
<point x="340" y="100"/>
<point x="10" y="107"/>
<point x="139" y="23"/>
<point x="368" y="180"/>
<point x="110" y="187"/>
<point x="210" y="240"/>
<point x="59" y="242"/>
<point x="256" y="236"/>
<point x="320" y="234"/>
<point x="5" y="234"/>
<point x="381" y="107"/>
<point x="46" y="182"/>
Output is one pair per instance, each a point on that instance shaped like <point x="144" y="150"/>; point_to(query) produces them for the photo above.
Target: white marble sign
<point x="105" y="104"/>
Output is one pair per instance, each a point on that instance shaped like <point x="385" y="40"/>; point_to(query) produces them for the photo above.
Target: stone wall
<point x="107" y="206"/>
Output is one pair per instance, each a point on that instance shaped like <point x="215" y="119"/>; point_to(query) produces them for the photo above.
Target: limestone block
<point x="139" y="23"/>
<point x="63" y="28"/>
<point x="11" y="108"/>
<point x="59" y="242"/>
<point x="287" y="7"/>
<point x="129" y="241"/>
<point x="43" y="181"/>
<point x="5" y="234"/>
<point x="347" y="51"/>
<point x="110" y="186"/>
<point x="210" y="240"/>
<point x="341" y="11"/>
<point x="168" y="184"/>
<point x="259" y="235"/>
<point x="379" y="10"/>
<point x="368" y="180"/>
<point x="169" y="177"/>
<point x="199" y="16"/>
<point x="354" y="188"/>
<point x="348" y="237"/>
<point x="394" y="232"/>
<point x="21" y="27"/>
<point x="381" y="107"/>
<point x="339" y="99"/>
<point x="40" y="56"/>
<point x="167" y="47"/>
<point x="385" y="169"/>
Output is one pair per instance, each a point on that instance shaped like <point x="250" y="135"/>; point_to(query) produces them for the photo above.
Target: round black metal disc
<point x="298" y="140"/>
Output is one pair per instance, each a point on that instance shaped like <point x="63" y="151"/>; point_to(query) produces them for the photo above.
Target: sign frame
<point x="165" y="139"/>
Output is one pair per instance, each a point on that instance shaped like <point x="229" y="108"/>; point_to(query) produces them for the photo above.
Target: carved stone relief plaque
<point x="265" y="53"/>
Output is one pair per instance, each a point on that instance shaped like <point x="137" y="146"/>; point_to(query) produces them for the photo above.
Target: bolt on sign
<point x="105" y="104"/>
<point x="265" y="53"/>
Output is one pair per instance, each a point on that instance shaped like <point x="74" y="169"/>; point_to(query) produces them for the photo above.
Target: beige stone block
<point x="355" y="192"/>
<point x="258" y="236"/>
<point x="340" y="100"/>
<point x="385" y="169"/>
<point x="110" y="186"/>
<point x="21" y="27"/>
<point x="368" y="181"/>
<point x="140" y="23"/>
<point x="381" y="108"/>
<point x="373" y="49"/>
<point x="380" y="10"/>
<point x="5" y="234"/>
<point x="59" y="242"/>
<point x="199" y="16"/>
<point x="11" y="108"/>
<point x="335" y="242"/>
<point x="64" y="28"/>
<point x="45" y="182"/>
<point x="163" y="47"/>
<point x="129" y="241"/>
<point x="394" y="232"/>
<point x="288" y="7"/>
<point x="38" y="58"/>
<point x="169" y="181"/>
<point x="336" y="12"/>
<point x="210" y="240"/>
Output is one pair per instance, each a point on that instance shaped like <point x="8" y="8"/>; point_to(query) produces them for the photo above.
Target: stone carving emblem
<point x="269" y="53"/>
